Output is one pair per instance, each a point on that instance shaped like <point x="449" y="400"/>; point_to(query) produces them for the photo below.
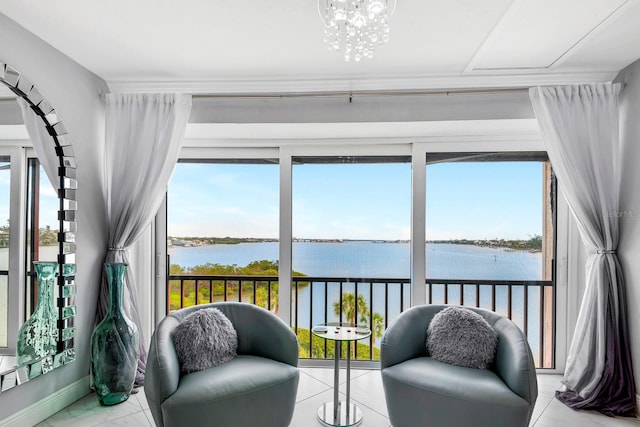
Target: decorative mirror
<point x="62" y="350"/>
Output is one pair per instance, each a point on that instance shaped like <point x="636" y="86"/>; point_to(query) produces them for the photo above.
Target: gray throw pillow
<point x="461" y="337"/>
<point x="204" y="339"/>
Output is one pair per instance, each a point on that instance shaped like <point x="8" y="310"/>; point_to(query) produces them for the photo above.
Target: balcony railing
<point x="530" y="304"/>
<point x="185" y="290"/>
<point x="374" y="302"/>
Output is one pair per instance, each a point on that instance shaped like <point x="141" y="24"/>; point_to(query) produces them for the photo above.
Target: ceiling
<point x="208" y="46"/>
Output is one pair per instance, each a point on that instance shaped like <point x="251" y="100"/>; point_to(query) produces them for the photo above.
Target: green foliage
<point x="199" y="241"/>
<point x="533" y="244"/>
<point x="205" y="291"/>
<point x="318" y="348"/>
<point x="351" y="310"/>
<point x="48" y="237"/>
<point x="4" y="236"/>
<point x="378" y="327"/>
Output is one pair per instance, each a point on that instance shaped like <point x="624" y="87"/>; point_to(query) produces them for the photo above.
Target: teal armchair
<point x="421" y="391"/>
<point x="256" y="389"/>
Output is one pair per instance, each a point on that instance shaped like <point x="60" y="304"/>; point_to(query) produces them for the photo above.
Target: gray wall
<point x="74" y="93"/>
<point x="390" y="107"/>
<point x="10" y="113"/>
<point x="629" y="249"/>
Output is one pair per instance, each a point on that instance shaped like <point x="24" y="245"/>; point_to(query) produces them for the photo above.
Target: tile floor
<point x="316" y="388"/>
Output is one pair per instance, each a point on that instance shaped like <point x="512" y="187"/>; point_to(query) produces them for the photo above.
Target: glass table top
<point x="341" y="331"/>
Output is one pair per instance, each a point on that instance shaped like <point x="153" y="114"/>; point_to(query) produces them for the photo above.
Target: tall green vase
<point x="38" y="336"/>
<point x="114" y="345"/>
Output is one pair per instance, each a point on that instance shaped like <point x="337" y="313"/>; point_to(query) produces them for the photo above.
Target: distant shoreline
<point x="532" y="245"/>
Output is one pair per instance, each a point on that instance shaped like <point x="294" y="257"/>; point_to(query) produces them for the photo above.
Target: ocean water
<point x="374" y="259"/>
<point x="369" y="259"/>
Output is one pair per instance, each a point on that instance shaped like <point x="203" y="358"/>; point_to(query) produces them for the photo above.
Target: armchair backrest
<point x="406" y="339"/>
<point x="260" y="332"/>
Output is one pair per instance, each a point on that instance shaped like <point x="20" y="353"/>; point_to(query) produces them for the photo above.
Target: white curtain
<point x="143" y="138"/>
<point x="580" y="128"/>
<point x="42" y="143"/>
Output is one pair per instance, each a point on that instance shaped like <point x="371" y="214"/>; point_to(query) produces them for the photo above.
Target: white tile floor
<point x="316" y="388"/>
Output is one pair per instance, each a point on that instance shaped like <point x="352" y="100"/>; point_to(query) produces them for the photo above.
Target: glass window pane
<point x="351" y="230"/>
<point x="490" y="238"/>
<point x="222" y="219"/>
<point x="485" y="221"/>
<point x="5" y="190"/>
<point x="42" y="225"/>
<point x="352" y="220"/>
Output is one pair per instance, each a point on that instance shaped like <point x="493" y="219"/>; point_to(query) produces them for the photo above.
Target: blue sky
<point x="484" y="200"/>
<point x="352" y="201"/>
<point x="48" y="199"/>
<point x="357" y="201"/>
<point x="222" y="200"/>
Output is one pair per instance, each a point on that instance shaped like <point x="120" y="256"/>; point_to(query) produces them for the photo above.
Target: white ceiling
<point x="205" y="46"/>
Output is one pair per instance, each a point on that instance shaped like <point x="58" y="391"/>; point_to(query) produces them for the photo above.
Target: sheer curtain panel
<point x="143" y="137"/>
<point x="42" y="144"/>
<point x="580" y="128"/>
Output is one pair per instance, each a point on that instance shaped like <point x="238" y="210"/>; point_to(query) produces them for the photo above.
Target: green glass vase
<point x="38" y="336"/>
<point x="114" y="345"/>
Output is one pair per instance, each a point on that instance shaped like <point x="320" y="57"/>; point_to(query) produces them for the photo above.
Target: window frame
<point x="17" y="245"/>
<point x="417" y="149"/>
<point x="549" y="192"/>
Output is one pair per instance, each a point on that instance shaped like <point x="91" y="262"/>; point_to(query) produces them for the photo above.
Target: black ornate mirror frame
<point x="23" y="88"/>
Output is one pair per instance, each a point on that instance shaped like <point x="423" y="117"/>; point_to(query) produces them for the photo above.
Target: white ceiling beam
<point x="320" y="84"/>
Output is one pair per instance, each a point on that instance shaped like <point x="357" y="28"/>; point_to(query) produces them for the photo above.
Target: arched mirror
<point x="38" y="243"/>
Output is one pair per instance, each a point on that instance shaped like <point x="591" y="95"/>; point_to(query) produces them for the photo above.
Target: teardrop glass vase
<point x="114" y="345"/>
<point x="38" y="336"/>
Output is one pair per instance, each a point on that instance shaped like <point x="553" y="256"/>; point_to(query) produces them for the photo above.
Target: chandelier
<point x="356" y="26"/>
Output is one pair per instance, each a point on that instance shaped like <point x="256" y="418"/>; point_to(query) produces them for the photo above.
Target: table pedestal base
<point x="344" y="418"/>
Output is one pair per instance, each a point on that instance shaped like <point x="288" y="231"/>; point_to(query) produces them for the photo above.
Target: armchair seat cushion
<point x="427" y="392"/>
<point x="467" y="384"/>
<point x="238" y="377"/>
<point x="247" y="390"/>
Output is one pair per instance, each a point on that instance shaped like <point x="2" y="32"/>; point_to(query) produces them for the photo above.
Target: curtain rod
<point x="364" y="93"/>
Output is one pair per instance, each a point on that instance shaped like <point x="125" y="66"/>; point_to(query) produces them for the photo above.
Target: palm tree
<point x="378" y="327"/>
<point x="351" y="310"/>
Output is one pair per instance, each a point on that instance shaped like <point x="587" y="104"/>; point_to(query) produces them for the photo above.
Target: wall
<point x="339" y="108"/>
<point x="10" y="113"/>
<point x="75" y="94"/>
<point x="629" y="248"/>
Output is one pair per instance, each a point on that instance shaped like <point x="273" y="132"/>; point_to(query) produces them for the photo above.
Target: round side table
<point x="340" y="413"/>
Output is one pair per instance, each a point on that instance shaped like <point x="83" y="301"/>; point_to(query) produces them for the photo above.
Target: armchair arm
<point x="162" y="373"/>
<point x="514" y="362"/>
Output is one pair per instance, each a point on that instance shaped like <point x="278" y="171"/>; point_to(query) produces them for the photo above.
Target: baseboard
<point x="48" y="406"/>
